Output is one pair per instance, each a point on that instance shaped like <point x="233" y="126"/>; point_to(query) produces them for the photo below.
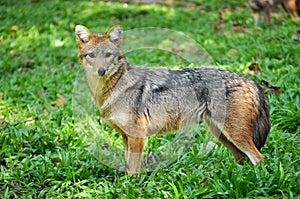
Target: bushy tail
<point x="261" y="121"/>
<point x="298" y="7"/>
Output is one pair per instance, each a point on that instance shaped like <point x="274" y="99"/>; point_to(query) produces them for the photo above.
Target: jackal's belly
<point x="167" y="121"/>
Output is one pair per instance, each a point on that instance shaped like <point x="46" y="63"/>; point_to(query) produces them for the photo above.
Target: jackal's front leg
<point x="134" y="152"/>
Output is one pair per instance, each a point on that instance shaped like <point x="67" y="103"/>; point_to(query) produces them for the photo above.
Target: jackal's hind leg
<point x="290" y="8"/>
<point x="256" y="18"/>
<point x="125" y="143"/>
<point x="238" y="155"/>
<point x="242" y="139"/>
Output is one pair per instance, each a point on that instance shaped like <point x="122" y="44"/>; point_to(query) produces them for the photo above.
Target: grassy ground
<point x="43" y="155"/>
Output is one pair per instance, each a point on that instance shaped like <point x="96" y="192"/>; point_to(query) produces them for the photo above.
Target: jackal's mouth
<point x="101" y="71"/>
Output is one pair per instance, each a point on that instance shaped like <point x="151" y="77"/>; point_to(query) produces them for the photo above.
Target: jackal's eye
<point x="90" y="55"/>
<point x="108" y="54"/>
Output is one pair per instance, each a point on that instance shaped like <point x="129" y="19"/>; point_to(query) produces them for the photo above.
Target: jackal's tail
<point x="298" y="7"/>
<point x="261" y="120"/>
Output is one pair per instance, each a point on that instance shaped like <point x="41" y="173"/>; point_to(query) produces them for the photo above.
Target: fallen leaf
<point x="231" y="52"/>
<point x="171" y="37"/>
<point x="55" y="160"/>
<point x="140" y="190"/>
<point x="14" y="28"/>
<point x="219" y="23"/>
<point x="28" y="63"/>
<point x="253" y="67"/>
<point x="239" y="28"/>
<point x="40" y="92"/>
<point x="12" y="184"/>
<point x="296" y="37"/>
<point x="4" y="124"/>
<point x="206" y="178"/>
<point x="60" y="100"/>
<point x="269" y="88"/>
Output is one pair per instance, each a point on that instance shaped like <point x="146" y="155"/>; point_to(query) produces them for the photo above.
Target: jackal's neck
<point x="113" y="79"/>
<point x="102" y="88"/>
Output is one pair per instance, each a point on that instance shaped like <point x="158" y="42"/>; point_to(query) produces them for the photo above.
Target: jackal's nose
<point x="101" y="71"/>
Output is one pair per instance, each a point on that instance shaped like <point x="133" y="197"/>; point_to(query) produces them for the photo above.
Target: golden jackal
<point x="142" y="101"/>
<point x="290" y="6"/>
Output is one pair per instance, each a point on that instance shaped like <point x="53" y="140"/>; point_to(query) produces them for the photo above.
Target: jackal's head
<point x="100" y="53"/>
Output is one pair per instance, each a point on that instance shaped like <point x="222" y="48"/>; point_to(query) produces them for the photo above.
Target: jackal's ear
<point x="115" y="34"/>
<point x="83" y="35"/>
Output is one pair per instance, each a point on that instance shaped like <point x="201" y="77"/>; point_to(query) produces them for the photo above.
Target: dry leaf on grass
<point x="60" y="100"/>
<point x="231" y="52"/>
<point x="140" y="190"/>
<point x="4" y="124"/>
<point x="55" y="160"/>
<point x="296" y="37"/>
<point x="13" y="28"/>
<point x="253" y="67"/>
<point x="219" y="23"/>
<point x="206" y="178"/>
<point x="13" y="185"/>
<point x="269" y="88"/>
<point x="239" y="28"/>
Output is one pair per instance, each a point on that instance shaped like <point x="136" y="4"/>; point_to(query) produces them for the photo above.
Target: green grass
<point x="42" y="152"/>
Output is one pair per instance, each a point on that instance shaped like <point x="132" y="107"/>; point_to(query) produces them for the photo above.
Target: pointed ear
<point x="83" y="35"/>
<point x="115" y="35"/>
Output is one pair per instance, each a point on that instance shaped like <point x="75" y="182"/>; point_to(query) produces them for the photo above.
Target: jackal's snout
<point x="101" y="71"/>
